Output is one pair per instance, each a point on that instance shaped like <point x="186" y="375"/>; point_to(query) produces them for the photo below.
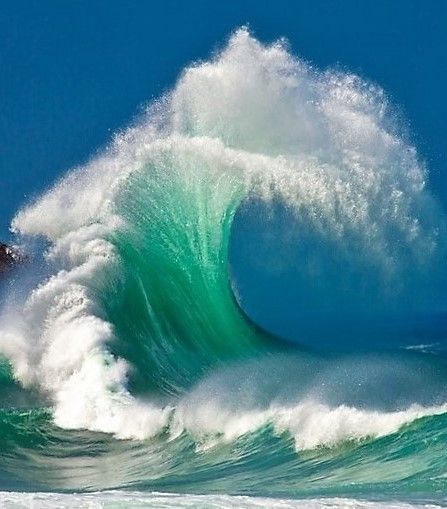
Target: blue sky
<point x="72" y="73"/>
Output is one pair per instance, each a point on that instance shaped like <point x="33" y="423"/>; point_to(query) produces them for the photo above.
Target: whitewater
<point x="127" y="360"/>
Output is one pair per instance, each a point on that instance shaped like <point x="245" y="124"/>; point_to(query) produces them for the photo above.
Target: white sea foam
<point x="311" y="424"/>
<point x="136" y="500"/>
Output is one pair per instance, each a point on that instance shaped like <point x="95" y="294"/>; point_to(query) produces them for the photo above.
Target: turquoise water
<point x="128" y="360"/>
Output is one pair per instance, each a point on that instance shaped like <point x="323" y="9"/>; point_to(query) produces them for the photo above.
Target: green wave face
<point x="174" y="285"/>
<point x="130" y="363"/>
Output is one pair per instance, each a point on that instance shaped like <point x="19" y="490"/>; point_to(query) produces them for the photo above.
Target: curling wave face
<point x="132" y="328"/>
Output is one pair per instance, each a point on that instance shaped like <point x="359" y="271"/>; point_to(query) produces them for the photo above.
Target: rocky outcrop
<point x="9" y="257"/>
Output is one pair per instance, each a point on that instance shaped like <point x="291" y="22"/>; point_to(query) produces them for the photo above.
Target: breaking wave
<point x="125" y="321"/>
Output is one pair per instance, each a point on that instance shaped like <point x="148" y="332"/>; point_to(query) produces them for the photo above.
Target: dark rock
<point x="9" y="257"/>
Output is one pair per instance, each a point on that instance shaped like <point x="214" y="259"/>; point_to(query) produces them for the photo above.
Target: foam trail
<point x="138" y="500"/>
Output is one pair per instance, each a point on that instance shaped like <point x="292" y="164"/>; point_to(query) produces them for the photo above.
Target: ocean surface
<point x="133" y="373"/>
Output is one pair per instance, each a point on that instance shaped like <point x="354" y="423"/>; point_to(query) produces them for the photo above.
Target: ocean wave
<point x="134" y="329"/>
